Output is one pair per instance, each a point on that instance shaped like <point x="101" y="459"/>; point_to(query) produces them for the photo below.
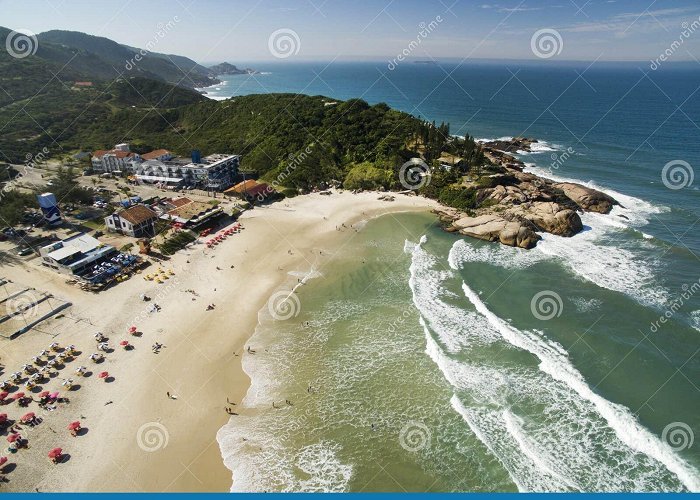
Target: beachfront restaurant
<point x="86" y="258"/>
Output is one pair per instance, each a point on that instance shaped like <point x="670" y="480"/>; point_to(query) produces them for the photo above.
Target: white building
<point x="137" y="221"/>
<point x="119" y="159"/>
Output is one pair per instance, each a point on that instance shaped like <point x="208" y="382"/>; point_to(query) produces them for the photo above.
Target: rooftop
<point x="155" y="154"/>
<point x="137" y="214"/>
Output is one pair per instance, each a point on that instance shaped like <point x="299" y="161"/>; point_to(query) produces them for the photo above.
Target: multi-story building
<point x="119" y="159"/>
<point x="213" y="173"/>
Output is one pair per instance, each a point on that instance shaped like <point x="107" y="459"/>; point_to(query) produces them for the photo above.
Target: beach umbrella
<point x="3" y="418"/>
<point x="55" y="453"/>
<point x="74" y="426"/>
<point x="44" y="394"/>
<point x="28" y="417"/>
<point x="103" y="375"/>
<point x="132" y="330"/>
<point x="17" y="395"/>
<point x="13" y="437"/>
<point x="124" y="343"/>
<point x="3" y="395"/>
<point x="3" y="461"/>
<point x="53" y="395"/>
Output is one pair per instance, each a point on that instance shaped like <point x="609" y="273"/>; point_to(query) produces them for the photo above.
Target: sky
<point x="210" y="31"/>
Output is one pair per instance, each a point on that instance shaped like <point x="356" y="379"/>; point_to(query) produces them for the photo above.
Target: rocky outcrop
<point x="516" y="205"/>
<point x="588" y="199"/>
<point x="550" y="217"/>
<point x="495" y="228"/>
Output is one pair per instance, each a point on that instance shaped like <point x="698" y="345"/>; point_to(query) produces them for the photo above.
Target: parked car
<point x="22" y="252"/>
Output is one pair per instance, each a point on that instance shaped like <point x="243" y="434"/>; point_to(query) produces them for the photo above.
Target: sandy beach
<point x="136" y="437"/>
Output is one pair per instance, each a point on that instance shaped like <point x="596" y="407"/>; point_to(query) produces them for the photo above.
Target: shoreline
<point x="142" y="440"/>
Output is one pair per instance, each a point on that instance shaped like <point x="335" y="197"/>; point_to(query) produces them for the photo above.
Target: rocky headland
<point x="515" y="206"/>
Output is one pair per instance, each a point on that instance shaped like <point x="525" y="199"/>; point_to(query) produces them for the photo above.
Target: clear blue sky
<point x="236" y="30"/>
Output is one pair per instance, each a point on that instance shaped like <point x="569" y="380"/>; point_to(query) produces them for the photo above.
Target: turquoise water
<point x="424" y="361"/>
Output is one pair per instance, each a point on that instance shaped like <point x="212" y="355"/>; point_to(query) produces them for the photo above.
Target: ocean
<point x="424" y="361"/>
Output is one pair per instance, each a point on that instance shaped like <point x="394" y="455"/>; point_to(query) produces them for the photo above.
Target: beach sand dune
<point x="136" y="437"/>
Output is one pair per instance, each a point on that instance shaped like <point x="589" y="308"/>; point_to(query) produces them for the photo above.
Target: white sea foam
<point x="498" y="255"/>
<point x="619" y="418"/>
<point x="695" y="319"/>
<point x="575" y="439"/>
<point x="586" y="305"/>
<point x="607" y="264"/>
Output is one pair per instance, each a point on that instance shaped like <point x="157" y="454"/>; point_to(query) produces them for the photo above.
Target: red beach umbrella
<point x="3" y="461"/>
<point x="27" y="417"/>
<point x="55" y="453"/>
<point x="44" y="394"/>
<point x="132" y="330"/>
<point x="74" y="426"/>
<point x="3" y="418"/>
<point x="17" y="395"/>
<point x="124" y="343"/>
<point x="103" y="375"/>
<point x="13" y="437"/>
<point x="3" y="395"/>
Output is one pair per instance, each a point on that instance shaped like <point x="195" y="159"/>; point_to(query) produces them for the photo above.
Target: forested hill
<point x="322" y="138"/>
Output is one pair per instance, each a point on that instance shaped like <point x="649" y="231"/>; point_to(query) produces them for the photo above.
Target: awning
<point x="155" y="178"/>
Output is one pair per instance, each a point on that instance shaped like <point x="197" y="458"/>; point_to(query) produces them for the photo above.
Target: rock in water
<point x="514" y="233"/>
<point x="587" y="198"/>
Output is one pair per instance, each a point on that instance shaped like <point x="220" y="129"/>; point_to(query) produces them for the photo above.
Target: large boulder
<point x="495" y="228"/>
<point x="550" y="217"/>
<point x="588" y="199"/>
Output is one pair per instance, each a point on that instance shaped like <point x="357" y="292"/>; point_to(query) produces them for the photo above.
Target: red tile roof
<point x="155" y="154"/>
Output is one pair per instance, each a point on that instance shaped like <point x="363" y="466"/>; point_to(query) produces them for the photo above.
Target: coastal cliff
<point x="516" y="206"/>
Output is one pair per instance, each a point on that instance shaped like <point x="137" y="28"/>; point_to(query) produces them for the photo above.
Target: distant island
<point x="231" y="69"/>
